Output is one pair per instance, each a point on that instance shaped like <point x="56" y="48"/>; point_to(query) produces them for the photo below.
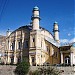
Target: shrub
<point x="46" y="71"/>
<point x="22" y="68"/>
<point x="73" y="64"/>
<point x="36" y="72"/>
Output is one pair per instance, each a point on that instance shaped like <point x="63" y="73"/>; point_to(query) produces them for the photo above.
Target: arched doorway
<point x="67" y="60"/>
<point x="12" y="60"/>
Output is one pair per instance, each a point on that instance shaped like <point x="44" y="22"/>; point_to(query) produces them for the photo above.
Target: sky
<point x="17" y="13"/>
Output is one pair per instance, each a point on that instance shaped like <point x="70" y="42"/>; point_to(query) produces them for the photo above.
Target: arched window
<point x="26" y="43"/>
<point x="33" y="42"/>
<point x="13" y="46"/>
<point x="19" y="45"/>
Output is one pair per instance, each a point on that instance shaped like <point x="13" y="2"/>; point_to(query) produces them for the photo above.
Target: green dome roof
<point x="35" y="8"/>
<point x="55" y="22"/>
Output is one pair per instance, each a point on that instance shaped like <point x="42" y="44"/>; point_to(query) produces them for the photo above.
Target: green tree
<point x="22" y="68"/>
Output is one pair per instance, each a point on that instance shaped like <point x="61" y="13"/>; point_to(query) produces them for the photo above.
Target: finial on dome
<point x="8" y="30"/>
<point x="35" y="8"/>
<point x="55" y="22"/>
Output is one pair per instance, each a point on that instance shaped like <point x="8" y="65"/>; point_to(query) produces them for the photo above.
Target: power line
<point x="3" y="9"/>
<point x="1" y="3"/>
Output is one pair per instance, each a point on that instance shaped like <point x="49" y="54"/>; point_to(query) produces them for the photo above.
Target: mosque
<point x="37" y="45"/>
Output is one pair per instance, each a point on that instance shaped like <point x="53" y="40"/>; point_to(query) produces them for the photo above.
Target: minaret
<point x="56" y="31"/>
<point x="8" y="32"/>
<point x="35" y="18"/>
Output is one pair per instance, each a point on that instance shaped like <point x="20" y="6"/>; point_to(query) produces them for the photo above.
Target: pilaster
<point x="71" y="58"/>
<point x="15" y="57"/>
<point x="61" y="58"/>
<point x="8" y="56"/>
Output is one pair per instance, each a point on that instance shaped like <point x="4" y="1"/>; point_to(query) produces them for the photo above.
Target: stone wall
<point x="63" y="70"/>
<point x="9" y="70"/>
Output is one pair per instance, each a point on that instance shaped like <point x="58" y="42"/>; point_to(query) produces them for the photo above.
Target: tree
<point x="22" y="68"/>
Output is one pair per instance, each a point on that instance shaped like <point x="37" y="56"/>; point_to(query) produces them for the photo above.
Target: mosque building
<point x="37" y="45"/>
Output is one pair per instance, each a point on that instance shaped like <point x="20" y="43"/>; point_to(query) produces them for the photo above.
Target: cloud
<point x="63" y="41"/>
<point x="69" y="34"/>
<point x="2" y="33"/>
<point x="64" y="30"/>
<point x="72" y="40"/>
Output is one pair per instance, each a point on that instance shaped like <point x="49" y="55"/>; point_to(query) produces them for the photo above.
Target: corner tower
<point x="35" y="18"/>
<point x="56" y="32"/>
<point x="35" y="39"/>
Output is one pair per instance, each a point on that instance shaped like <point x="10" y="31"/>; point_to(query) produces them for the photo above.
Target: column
<point x="36" y="40"/>
<point x="71" y="58"/>
<point x="41" y="58"/>
<point x="61" y="58"/>
<point x="36" y="59"/>
<point x="30" y="60"/>
<point x="67" y="60"/>
<point x="15" y="58"/>
<point x="8" y="58"/>
<point x="30" y="45"/>
<point x="22" y="36"/>
<point x="9" y="43"/>
<point x="5" y="60"/>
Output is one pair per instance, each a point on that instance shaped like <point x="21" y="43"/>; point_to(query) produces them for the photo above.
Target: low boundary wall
<point x="9" y="70"/>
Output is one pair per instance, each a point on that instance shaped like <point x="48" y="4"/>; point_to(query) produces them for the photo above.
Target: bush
<point x="73" y="64"/>
<point x="22" y="68"/>
<point x="36" y="72"/>
<point x="46" y="71"/>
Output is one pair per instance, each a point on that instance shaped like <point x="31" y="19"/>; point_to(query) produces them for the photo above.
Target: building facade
<point x="68" y="54"/>
<point x="34" y="43"/>
<point x="2" y="47"/>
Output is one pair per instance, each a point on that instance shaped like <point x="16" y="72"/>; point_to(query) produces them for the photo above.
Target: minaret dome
<point x="35" y="8"/>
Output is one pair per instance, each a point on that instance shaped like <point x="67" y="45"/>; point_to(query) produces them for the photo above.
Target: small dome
<point x="35" y="8"/>
<point x="55" y="22"/>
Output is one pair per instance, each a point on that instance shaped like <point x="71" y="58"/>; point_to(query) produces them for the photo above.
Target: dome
<point x="55" y="22"/>
<point x="73" y="45"/>
<point x="35" y="8"/>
